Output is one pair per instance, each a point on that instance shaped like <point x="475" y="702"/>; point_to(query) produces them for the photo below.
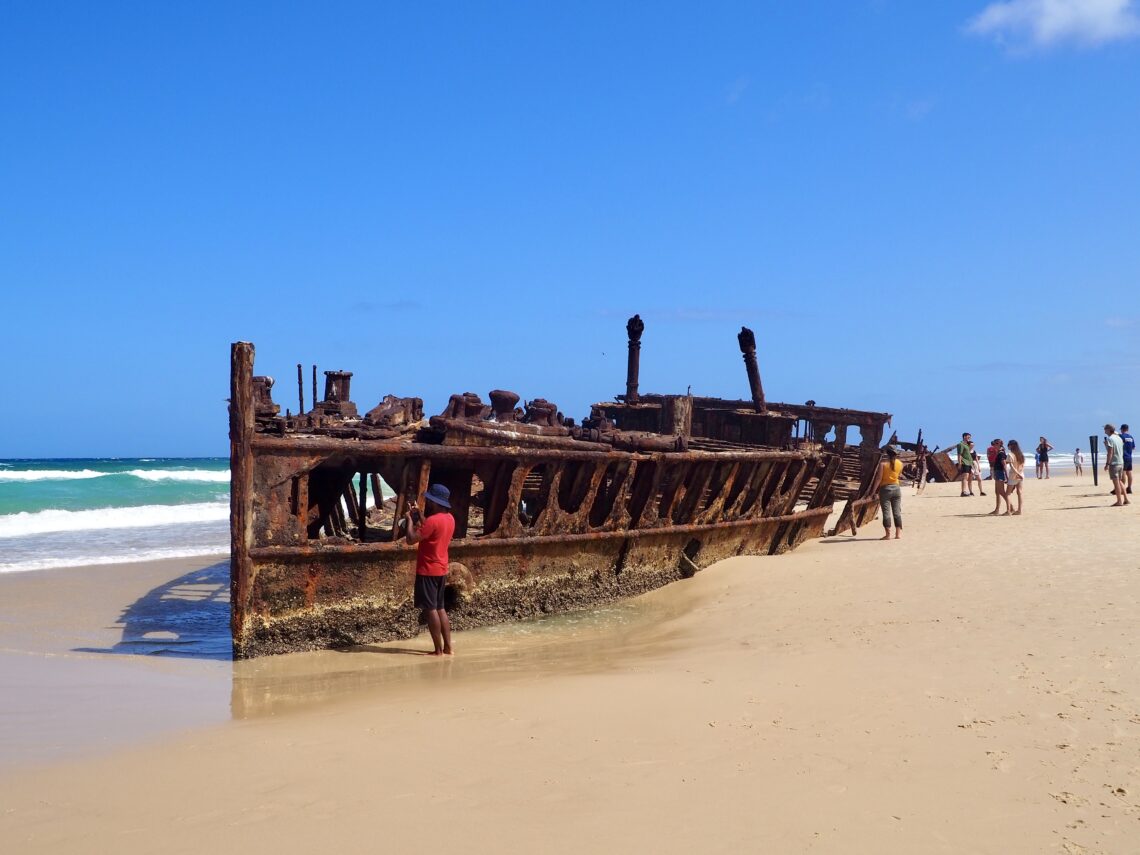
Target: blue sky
<point x="925" y="208"/>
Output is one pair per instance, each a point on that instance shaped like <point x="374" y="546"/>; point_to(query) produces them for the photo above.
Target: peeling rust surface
<point x="551" y="515"/>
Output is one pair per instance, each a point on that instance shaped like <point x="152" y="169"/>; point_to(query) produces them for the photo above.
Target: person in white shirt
<point x="1079" y="461"/>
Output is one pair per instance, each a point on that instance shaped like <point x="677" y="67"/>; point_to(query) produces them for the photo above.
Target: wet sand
<point x="974" y="687"/>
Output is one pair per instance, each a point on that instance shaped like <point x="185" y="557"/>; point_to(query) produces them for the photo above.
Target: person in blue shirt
<point x="1129" y="446"/>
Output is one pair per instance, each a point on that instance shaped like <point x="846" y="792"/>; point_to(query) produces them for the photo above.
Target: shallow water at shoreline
<point x="115" y="655"/>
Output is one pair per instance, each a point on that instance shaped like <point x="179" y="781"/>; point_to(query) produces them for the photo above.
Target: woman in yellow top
<point x="890" y="493"/>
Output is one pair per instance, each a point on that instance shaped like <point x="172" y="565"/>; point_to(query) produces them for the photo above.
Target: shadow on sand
<point x="186" y="617"/>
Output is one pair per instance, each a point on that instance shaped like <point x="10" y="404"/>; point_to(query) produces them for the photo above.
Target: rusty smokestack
<point x="300" y="390"/>
<point x="634" y="328"/>
<point x="747" y="340"/>
<point x="314" y="387"/>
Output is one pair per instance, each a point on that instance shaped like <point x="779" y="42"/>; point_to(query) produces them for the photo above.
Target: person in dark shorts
<point x="1001" y="479"/>
<point x="1129" y="446"/>
<point x="966" y="464"/>
<point x="432" y="534"/>
<point x="1043" y="449"/>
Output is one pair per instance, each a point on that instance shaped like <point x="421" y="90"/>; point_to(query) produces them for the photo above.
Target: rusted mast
<point x="301" y="390"/>
<point x="241" y="475"/>
<point x="634" y="328"/>
<point x="747" y="340"/>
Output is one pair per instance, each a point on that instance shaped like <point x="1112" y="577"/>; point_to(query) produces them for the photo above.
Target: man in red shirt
<point x="432" y="536"/>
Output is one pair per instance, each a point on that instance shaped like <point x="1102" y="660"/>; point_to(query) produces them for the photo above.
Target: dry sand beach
<point x="974" y="687"/>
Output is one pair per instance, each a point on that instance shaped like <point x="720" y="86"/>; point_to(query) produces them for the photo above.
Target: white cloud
<point x="1044" y="23"/>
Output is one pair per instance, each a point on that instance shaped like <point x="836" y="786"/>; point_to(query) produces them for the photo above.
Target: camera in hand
<point x="417" y="517"/>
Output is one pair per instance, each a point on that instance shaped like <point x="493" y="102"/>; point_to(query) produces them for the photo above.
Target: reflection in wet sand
<point x="582" y="642"/>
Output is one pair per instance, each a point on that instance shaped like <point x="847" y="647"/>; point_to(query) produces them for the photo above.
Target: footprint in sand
<point x="977" y="722"/>
<point x="1067" y="798"/>
<point x="1000" y="760"/>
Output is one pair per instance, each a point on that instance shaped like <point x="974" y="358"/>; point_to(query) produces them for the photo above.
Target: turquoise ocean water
<point x="76" y="512"/>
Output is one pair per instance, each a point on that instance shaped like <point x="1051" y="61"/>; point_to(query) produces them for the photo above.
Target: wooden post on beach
<point x="1092" y="448"/>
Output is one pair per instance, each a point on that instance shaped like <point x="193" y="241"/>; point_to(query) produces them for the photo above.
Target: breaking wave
<point x="42" y="522"/>
<point x="205" y="475"/>
<point x="213" y="475"/>
<point x="157" y="554"/>
<point x="50" y="474"/>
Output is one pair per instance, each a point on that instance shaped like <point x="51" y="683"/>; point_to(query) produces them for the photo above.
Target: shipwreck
<point x="551" y="515"/>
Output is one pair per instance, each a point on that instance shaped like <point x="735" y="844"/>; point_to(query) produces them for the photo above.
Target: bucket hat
<point x="439" y="494"/>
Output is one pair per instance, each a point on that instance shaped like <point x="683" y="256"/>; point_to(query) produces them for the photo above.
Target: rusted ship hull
<point x="550" y="516"/>
<point x="345" y="597"/>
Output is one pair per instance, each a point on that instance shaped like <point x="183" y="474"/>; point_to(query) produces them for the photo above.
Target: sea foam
<point x="181" y="475"/>
<point x="50" y="474"/>
<point x="157" y="554"/>
<point x="204" y="475"/>
<point x="41" y="522"/>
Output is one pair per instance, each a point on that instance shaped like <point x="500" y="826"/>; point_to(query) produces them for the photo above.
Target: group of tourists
<point x="1118" y="447"/>
<point x="1118" y="462"/>
<point x="1007" y="471"/>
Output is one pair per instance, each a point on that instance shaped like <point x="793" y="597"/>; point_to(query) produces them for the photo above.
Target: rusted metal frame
<point x="421" y="475"/>
<point x="645" y="499"/>
<point x="593" y="495"/>
<point x="401" y="499"/>
<point x="784" y="498"/>
<point x="756" y="510"/>
<point x="695" y="485"/>
<point x="852" y="515"/>
<point x="749" y="480"/>
<point x="241" y="479"/>
<point x="309" y="445"/>
<point x="552" y="517"/>
<point x="362" y="516"/>
<point x="714" y="510"/>
<point x="332" y="551"/>
<point x="413" y="481"/>
<point x="340" y="527"/>
<point x="787" y="533"/>
<point x="679" y="472"/>
<point x="822" y="493"/>
<point x="497" y="491"/>
<point x="578" y="485"/>
<point x="351" y="502"/>
<point x="619" y="510"/>
<point x="300" y="494"/>
<point x="511" y="526"/>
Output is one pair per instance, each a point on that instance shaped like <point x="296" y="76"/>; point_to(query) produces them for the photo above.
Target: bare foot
<point x="993" y="513"/>
<point x="898" y="534"/>
<point x="1008" y="514"/>
<point x="1017" y="513"/>
<point x="447" y="651"/>
<point x="982" y="494"/>
<point x="886" y="536"/>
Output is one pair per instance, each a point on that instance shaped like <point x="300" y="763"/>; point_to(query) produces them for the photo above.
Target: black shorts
<point x="1127" y="464"/>
<point x="963" y="469"/>
<point x="429" y="592"/>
